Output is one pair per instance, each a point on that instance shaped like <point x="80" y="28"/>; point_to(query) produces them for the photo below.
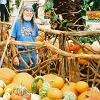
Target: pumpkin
<point x="9" y="88"/>
<point x="82" y="61"/>
<point x="2" y="84"/>
<point x="7" y="75"/>
<point x="54" y="93"/>
<point x="1" y="98"/>
<point x="35" y="97"/>
<point x="96" y="46"/>
<point x="25" y="79"/>
<point x="81" y="86"/>
<point x="6" y="96"/>
<point x="89" y="95"/>
<point x="69" y="87"/>
<point x="55" y="81"/>
<point x="38" y="38"/>
<point x="42" y="34"/>
<point x="69" y="96"/>
<point x="1" y="91"/>
<point x="71" y="46"/>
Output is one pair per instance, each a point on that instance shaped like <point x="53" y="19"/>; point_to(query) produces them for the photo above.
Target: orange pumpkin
<point x="7" y="75"/>
<point x="54" y="93"/>
<point x="55" y="81"/>
<point x="81" y="86"/>
<point x="38" y="38"/>
<point x="69" y="87"/>
<point x="73" y="47"/>
<point x="89" y="95"/>
<point x="42" y="34"/>
<point x="82" y="61"/>
<point x="24" y="79"/>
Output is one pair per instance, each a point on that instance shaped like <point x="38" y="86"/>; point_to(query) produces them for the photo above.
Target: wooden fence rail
<point x="68" y="33"/>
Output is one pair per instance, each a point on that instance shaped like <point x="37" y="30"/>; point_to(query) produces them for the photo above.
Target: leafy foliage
<point x="48" y="5"/>
<point x="94" y="4"/>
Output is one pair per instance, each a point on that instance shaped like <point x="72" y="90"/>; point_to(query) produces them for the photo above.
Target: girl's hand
<point x="16" y="61"/>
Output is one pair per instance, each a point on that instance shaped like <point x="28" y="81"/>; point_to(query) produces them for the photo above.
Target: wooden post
<point x="62" y="45"/>
<point x="1" y="32"/>
<point x="74" y="73"/>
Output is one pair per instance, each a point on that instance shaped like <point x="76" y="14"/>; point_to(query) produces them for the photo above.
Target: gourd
<point x="68" y="95"/>
<point x="44" y="87"/>
<point x="25" y="79"/>
<point x="20" y="92"/>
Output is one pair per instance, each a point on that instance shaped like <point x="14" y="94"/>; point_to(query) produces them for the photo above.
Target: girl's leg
<point x="34" y="58"/>
<point x="25" y="58"/>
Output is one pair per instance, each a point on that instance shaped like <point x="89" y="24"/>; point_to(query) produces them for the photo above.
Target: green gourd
<point x="43" y="89"/>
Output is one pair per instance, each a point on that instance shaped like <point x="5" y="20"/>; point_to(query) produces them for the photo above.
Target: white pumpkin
<point x="1" y="98"/>
<point x="68" y="95"/>
<point x="2" y="84"/>
<point x="6" y="96"/>
<point x="35" y="97"/>
<point x="96" y="46"/>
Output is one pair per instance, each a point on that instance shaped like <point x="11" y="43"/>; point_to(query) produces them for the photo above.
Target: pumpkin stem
<point x="67" y="80"/>
<point x="87" y="96"/>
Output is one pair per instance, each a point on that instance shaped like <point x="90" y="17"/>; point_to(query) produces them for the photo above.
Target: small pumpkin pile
<point x="53" y="87"/>
<point x="22" y="86"/>
<point x="15" y="86"/>
<point x="48" y="87"/>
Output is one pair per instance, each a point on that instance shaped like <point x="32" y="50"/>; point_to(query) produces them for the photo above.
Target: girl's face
<point x="28" y="14"/>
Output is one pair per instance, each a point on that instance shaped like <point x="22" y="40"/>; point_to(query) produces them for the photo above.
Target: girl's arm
<point x="14" y="52"/>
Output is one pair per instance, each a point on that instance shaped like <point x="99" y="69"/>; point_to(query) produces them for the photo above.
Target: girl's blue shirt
<point x="25" y="32"/>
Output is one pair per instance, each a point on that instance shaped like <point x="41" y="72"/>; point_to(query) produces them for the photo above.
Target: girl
<point x="25" y="30"/>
